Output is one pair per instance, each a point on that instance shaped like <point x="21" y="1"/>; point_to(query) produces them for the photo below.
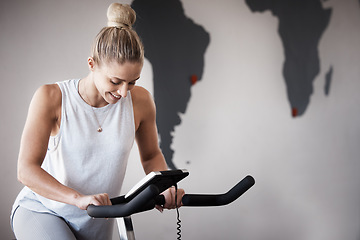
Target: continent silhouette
<point x="175" y="46"/>
<point x="301" y="24"/>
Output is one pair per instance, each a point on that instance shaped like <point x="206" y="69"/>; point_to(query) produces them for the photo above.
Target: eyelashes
<point x="115" y="83"/>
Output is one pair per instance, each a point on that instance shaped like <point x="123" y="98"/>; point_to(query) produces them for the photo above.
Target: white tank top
<point x="86" y="160"/>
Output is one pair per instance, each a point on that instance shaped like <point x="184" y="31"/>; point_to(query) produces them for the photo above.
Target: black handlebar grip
<point x="160" y="200"/>
<point x="123" y="210"/>
<point x="206" y="200"/>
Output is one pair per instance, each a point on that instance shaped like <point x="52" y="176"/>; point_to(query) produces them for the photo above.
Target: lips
<point x="115" y="96"/>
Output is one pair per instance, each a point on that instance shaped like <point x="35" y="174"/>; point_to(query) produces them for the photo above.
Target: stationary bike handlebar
<point x="208" y="200"/>
<point x="149" y="197"/>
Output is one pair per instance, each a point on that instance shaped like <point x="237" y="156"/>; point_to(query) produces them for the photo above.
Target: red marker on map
<point x="193" y="79"/>
<point x="294" y="112"/>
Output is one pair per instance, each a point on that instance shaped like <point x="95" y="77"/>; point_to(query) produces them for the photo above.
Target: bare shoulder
<point x="143" y="105"/>
<point x="48" y="98"/>
<point x="141" y="93"/>
<point x="49" y="90"/>
<point x="141" y="97"/>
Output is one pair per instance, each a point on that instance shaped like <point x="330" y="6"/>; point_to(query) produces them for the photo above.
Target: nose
<point x="122" y="91"/>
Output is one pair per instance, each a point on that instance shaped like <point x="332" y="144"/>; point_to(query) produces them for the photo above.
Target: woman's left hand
<point x="169" y="195"/>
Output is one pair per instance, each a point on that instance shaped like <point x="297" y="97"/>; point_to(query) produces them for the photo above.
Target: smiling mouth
<point x="115" y="96"/>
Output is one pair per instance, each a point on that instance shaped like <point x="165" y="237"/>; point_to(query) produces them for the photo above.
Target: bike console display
<point x="162" y="180"/>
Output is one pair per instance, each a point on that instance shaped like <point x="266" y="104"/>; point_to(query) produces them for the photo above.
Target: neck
<point x="89" y="93"/>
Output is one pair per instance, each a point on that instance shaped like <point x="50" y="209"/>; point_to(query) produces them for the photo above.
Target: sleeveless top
<point x="86" y="160"/>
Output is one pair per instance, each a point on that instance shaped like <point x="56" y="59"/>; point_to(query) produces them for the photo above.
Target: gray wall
<point x="237" y="122"/>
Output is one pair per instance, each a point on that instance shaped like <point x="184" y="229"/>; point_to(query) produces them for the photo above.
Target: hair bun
<point x="120" y="15"/>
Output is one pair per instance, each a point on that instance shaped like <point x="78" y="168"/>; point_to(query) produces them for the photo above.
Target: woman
<point x="78" y="136"/>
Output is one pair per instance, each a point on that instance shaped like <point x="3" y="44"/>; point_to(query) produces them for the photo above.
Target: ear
<point x="91" y="63"/>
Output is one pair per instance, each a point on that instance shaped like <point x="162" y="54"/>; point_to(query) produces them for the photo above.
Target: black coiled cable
<point x="178" y="223"/>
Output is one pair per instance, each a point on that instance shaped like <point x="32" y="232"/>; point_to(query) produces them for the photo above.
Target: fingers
<point x="180" y="195"/>
<point x="170" y="195"/>
<point x="160" y="208"/>
<point x="100" y="199"/>
<point x="97" y="200"/>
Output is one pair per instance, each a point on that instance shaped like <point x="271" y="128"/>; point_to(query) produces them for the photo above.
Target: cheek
<point x="101" y="81"/>
<point x="101" y="85"/>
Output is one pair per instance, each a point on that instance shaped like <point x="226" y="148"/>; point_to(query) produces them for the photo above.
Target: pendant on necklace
<point x="99" y="129"/>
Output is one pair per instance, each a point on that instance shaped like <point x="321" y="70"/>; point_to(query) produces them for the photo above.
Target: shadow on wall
<point x="175" y="46"/>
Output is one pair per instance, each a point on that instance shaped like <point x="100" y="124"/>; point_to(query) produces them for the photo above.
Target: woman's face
<point x="114" y="80"/>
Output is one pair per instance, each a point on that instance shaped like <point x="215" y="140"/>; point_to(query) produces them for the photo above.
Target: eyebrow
<point x="122" y="80"/>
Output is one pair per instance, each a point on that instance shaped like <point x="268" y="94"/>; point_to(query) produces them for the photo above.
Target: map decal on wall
<point x="175" y="47"/>
<point x="301" y="25"/>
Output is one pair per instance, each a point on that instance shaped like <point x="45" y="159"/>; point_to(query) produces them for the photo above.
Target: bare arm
<point x="43" y="120"/>
<point x="151" y="156"/>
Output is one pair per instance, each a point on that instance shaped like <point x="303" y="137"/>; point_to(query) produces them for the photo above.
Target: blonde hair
<point x="118" y="41"/>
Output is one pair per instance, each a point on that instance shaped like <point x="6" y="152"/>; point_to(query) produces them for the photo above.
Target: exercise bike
<point x="146" y="194"/>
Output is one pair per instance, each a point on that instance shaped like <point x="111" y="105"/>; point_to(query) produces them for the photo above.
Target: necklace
<point x="92" y="109"/>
